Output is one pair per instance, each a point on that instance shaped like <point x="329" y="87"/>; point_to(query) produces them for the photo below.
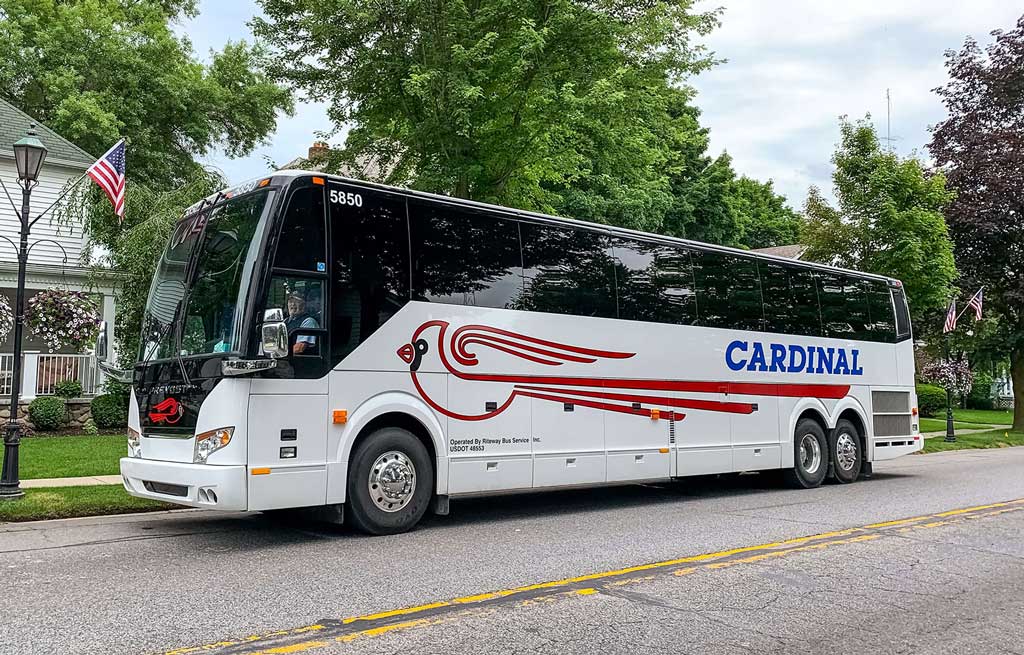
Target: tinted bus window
<point x="302" y="243"/>
<point x="728" y="291"/>
<point x="790" y="299"/>
<point x="654" y="282"/>
<point x="844" y="306"/>
<point x="370" y="256"/>
<point x="464" y="257"/>
<point x="566" y="272"/>
<point x="880" y="308"/>
<point x="902" y="314"/>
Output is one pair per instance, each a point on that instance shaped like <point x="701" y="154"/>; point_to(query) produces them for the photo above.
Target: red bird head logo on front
<point x="168" y="411"/>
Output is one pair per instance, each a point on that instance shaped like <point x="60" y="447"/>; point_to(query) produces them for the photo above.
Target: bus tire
<point x="810" y="456"/>
<point x="846" y="452"/>
<point x="390" y="482"/>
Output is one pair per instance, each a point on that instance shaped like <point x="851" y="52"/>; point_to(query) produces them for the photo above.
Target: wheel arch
<point x="391" y="409"/>
<point x="811" y="408"/>
<point x="851" y="410"/>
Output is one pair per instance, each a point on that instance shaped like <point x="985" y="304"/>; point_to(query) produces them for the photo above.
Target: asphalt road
<point x="702" y="566"/>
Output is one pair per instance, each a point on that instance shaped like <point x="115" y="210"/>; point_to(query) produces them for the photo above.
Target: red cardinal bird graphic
<point x="622" y="395"/>
<point x="167" y="411"/>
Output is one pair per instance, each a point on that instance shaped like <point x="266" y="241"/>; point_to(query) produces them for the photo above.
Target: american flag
<point x="975" y="302"/>
<point x="950" y="318"/>
<point x="108" y="172"/>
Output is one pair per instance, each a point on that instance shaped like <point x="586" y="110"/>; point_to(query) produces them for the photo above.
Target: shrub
<point x="47" y="412"/>
<point x="980" y="396"/>
<point x="109" y="411"/>
<point x="68" y="389"/>
<point x="89" y="427"/>
<point x="931" y="399"/>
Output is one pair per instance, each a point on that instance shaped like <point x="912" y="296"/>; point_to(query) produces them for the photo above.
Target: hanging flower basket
<point x="62" y="319"/>
<point x="953" y="374"/>
<point x="6" y="317"/>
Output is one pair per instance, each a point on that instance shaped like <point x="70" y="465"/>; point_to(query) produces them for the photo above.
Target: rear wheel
<point x="390" y="482"/>
<point x="846" y="452"/>
<point x="810" y="452"/>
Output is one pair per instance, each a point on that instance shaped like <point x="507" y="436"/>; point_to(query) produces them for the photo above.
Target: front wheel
<point x="810" y="456"/>
<point x="847" y="453"/>
<point x="390" y="482"/>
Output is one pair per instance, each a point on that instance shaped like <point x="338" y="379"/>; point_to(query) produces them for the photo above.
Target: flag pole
<point x="950" y="433"/>
<point x="53" y="204"/>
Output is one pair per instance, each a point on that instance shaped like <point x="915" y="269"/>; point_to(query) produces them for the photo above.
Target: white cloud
<point x="794" y="66"/>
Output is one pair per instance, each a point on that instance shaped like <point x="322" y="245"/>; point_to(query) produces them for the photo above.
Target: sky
<point x="791" y="68"/>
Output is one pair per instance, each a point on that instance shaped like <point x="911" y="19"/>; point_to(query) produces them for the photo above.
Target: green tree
<point x="763" y="219"/>
<point x="980" y="146"/>
<point x="99" y="70"/>
<point x="888" y="220"/>
<point x="558" y="105"/>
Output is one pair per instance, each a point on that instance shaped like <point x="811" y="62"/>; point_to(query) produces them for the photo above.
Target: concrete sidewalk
<point x="942" y="433"/>
<point x="88" y="481"/>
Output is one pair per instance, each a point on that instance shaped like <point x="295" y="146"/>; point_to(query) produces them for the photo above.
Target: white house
<point x="54" y="260"/>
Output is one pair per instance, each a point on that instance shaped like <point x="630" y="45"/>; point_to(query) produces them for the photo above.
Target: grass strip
<point x="68" y="502"/>
<point x="991" y="439"/>
<point x="939" y="425"/>
<point x="70" y="457"/>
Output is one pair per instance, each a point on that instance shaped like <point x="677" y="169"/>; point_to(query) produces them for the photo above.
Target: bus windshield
<point x="210" y="257"/>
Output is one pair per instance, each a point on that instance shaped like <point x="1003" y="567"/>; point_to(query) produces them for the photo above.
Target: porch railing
<point x="42" y="372"/>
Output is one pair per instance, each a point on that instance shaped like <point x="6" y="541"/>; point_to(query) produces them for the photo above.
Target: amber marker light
<point x="261" y="471"/>
<point x="318" y="180"/>
<point x="264" y="182"/>
<point x="340" y="416"/>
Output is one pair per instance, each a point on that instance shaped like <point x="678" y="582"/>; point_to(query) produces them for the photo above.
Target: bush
<point x="981" y="393"/>
<point x="89" y="427"/>
<point x="68" y="389"/>
<point x="47" y="412"/>
<point x="109" y="411"/>
<point x="931" y="400"/>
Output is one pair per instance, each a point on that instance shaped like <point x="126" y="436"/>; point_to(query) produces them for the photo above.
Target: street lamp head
<point x="29" y="154"/>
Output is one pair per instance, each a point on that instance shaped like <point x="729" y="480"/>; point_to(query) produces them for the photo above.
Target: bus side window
<point x="567" y="272"/>
<point x="790" y="299"/>
<point x="880" y="307"/>
<point x="728" y="291"/>
<point x="301" y="301"/>
<point x="899" y="299"/>
<point x="370" y="256"/>
<point x="302" y="242"/>
<point x="844" y="306"/>
<point x="654" y="282"/>
<point x="464" y="257"/>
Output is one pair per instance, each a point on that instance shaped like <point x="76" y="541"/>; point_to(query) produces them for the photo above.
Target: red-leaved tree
<point x="980" y="147"/>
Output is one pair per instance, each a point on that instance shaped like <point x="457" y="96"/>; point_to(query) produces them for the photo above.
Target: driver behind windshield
<point x="300" y="318"/>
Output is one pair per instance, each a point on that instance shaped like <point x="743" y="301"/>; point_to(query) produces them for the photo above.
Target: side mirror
<point x="274" y="334"/>
<point x="101" y="342"/>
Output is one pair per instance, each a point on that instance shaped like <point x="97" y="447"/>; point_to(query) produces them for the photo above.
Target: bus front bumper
<point x="197" y="485"/>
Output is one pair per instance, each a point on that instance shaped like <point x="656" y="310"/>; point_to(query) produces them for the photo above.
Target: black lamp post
<point x="29" y="154"/>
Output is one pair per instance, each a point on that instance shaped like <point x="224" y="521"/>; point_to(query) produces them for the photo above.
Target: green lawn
<point x="986" y="416"/>
<point x="991" y="439"/>
<point x="939" y="424"/>
<point x="66" y="502"/>
<point x="71" y="457"/>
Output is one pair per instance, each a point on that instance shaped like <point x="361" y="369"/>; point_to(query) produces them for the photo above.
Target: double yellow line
<point x="311" y="637"/>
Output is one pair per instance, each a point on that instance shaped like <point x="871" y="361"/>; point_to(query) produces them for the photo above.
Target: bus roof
<point x="290" y="174"/>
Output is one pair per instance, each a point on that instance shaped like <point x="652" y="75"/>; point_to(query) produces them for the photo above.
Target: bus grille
<point x="167" y="489"/>
<point x="891" y="413"/>
<point x="890" y="402"/>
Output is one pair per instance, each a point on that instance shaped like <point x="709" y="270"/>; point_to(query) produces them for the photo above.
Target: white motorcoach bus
<point x="316" y="341"/>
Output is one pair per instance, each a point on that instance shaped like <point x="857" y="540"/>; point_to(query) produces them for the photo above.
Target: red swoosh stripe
<point x="688" y="403"/>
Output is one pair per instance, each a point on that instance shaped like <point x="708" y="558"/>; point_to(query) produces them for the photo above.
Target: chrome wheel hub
<point x="846" y="451"/>
<point x="392" y="481"/>
<point x="810" y="453"/>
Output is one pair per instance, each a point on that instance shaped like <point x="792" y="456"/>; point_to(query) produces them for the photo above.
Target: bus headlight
<point x="210" y="442"/>
<point x="134" y="443"/>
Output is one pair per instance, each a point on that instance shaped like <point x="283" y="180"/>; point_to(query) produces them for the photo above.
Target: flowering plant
<point x="62" y="318"/>
<point x="955" y="375"/>
<point x="6" y="317"/>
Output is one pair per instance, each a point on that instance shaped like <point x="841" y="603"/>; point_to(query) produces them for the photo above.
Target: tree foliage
<point x="888" y="220"/>
<point x="980" y="146"/>
<point x="558" y="105"/>
<point x="763" y="219"/>
<point x="98" y="70"/>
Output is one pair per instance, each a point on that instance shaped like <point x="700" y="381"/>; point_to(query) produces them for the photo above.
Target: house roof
<point x="794" y="251"/>
<point x="14" y="124"/>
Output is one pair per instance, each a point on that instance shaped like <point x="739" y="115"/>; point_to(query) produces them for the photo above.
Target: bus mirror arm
<point x="102" y="352"/>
